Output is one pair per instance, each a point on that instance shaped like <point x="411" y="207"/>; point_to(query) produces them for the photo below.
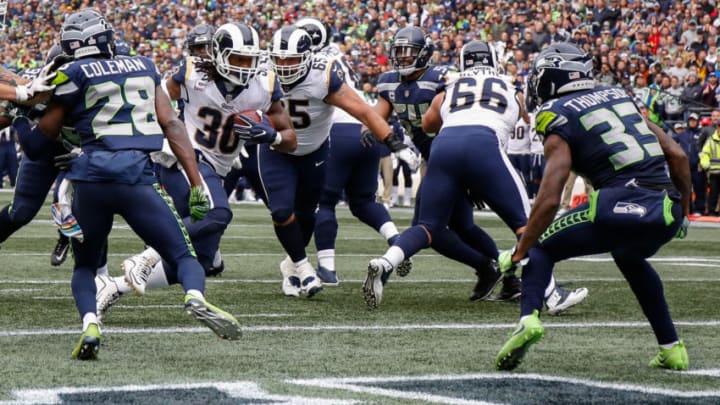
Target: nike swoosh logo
<point x="319" y="163"/>
<point x="520" y="330"/>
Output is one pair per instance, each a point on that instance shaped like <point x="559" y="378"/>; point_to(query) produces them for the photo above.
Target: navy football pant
<point x="35" y="178"/>
<point x="206" y="233"/>
<point x="293" y="185"/>
<point x="354" y="169"/>
<point x="149" y="213"/>
<point x="573" y="235"/>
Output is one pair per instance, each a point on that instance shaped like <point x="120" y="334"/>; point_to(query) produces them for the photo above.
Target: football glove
<point x="506" y="263"/>
<point x="408" y="156"/>
<point x="199" y="204"/>
<point x="367" y="138"/>
<point x="65" y="161"/>
<point x="257" y="132"/>
<point x="682" y="232"/>
<point x="40" y="84"/>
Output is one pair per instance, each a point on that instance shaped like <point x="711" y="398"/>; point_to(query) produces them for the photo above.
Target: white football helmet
<point x="236" y="39"/>
<point x="290" y="42"/>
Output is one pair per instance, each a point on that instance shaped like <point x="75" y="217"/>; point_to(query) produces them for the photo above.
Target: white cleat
<point x="290" y="279"/>
<point x="310" y="283"/>
<point x="373" y="286"/>
<point x="137" y="270"/>
<point x="560" y="300"/>
<point x="106" y="296"/>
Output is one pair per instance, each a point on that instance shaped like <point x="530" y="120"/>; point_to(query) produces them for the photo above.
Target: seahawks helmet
<point x="293" y="43"/>
<point x="559" y="69"/>
<point x="411" y="50"/>
<point x="318" y="30"/>
<point x="87" y="33"/>
<point x="199" y="39"/>
<point x="235" y="39"/>
<point x="123" y="49"/>
<point x="55" y="51"/>
<point x="478" y="54"/>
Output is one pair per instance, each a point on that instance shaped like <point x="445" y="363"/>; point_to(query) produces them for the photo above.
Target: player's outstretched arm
<point x="177" y="137"/>
<point x="348" y="100"/>
<point x="282" y="123"/>
<point x="677" y="163"/>
<point x="557" y="169"/>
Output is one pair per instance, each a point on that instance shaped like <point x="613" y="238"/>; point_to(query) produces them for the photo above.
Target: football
<point x="251" y="114"/>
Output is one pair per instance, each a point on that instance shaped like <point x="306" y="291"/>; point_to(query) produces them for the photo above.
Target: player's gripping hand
<point x="65" y="161"/>
<point x="682" y="232"/>
<point x="402" y="151"/>
<point x="198" y="203"/>
<point x="367" y="138"/>
<point x="42" y="83"/>
<point x="506" y="263"/>
<point x="254" y="131"/>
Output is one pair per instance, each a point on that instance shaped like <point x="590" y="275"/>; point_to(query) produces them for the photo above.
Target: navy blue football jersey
<point x="610" y="142"/>
<point x="411" y="99"/>
<point x="111" y="102"/>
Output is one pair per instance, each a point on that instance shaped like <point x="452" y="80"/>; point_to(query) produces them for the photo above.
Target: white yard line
<point x="357" y="327"/>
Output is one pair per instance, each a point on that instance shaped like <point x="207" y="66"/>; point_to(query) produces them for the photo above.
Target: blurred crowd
<point x="665" y="52"/>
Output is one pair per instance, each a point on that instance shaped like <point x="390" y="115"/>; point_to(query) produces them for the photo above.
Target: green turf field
<point x="427" y="341"/>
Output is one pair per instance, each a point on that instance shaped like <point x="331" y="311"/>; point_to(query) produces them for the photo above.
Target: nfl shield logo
<point x="574" y="75"/>
<point x="392" y="97"/>
<point x="407" y="93"/>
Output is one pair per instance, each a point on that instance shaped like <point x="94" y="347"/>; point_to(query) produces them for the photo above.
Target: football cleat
<point x="404" y="268"/>
<point x="222" y="323"/>
<point x="290" y="281"/>
<point x="137" y="270"/>
<point x="328" y="277"/>
<point x="106" y="296"/>
<point x="510" y="290"/>
<point x="674" y="358"/>
<point x="310" y="283"/>
<point x="89" y="344"/>
<point x="488" y="279"/>
<point x="60" y="251"/>
<point x="528" y="332"/>
<point x="373" y="286"/>
<point x="561" y="299"/>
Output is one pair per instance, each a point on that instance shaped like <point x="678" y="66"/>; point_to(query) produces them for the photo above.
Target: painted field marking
<point x="358" y="327"/>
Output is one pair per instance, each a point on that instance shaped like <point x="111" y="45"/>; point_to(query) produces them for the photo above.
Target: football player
<point x="214" y="91"/>
<point x="293" y="182"/>
<point x="114" y="174"/>
<point x="408" y="91"/>
<point x="350" y="168"/>
<point x="638" y="204"/>
<point x="199" y="41"/>
<point x="36" y="173"/>
<point x="477" y="112"/>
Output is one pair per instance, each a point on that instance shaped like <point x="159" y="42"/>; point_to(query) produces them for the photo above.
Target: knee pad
<point x="282" y="215"/>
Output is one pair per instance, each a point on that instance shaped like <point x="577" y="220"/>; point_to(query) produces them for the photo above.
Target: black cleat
<point x="60" y="252"/>
<point x="510" y="290"/>
<point x="488" y="279"/>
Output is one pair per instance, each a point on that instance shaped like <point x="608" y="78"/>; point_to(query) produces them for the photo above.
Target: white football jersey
<point x="209" y="112"/>
<point x="481" y="97"/>
<point x="333" y="52"/>
<point x="311" y="116"/>
<point x="518" y="142"/>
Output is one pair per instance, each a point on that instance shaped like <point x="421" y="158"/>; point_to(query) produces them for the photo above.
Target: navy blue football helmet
<point x="319" y="32"/>
<point x="559" y="69"/>
<point x="411" y="50"/>
<point x="290" y="42"/>
<point x="123" y="49"/>
<point x="87" y="33"/>
<point x="478" y="54"/>
<point x="236" y="39"/>
<point x="199" y="39"/>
